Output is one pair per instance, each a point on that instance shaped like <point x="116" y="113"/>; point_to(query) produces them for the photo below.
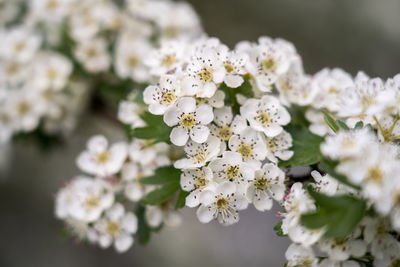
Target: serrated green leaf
<point x="155" y="128"/>
<point x="163" y="175"/>
<point x="305" y="147"/>
<point x="329" y="168"/>
<point x="278" y="229"/>
<point x="161" y="195"/>
<point x="180" y="203"/>
<point x="330" y="121"/>
<point x="338" y="215"/>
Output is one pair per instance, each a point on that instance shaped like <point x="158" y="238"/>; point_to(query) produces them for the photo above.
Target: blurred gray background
<point x="352" y="34"/>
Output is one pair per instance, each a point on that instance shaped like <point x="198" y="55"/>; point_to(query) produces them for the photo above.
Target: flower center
<point x="171" y="31"/>
<point x="232" y="172"/>
<point x="271" y="144"/>
<point x="263" y="118"/>
<point x="229" y="68"/>
<point x="200" y="182"/>
<point x="19" y="46"/>
<point x="91" y="52"/>
<point x="51" y="4"/>
<point x="200" y="157"/>
<point x="113" y="228"/>
<point x="222" y="203"/>
<point x="306" y="262"/>
<point x="224" y="133"/>
<point x="269" y="64"/>
<point x="103" y="157"/>
<point x="395" y="262"/>
<point x="92" y="202"/>
<point x="187" y="121"/>
<point x="23" y="107"/>
<point x="168" y="60"/>
<point x="12" y="69"/>
<point x="375" y="175"/>
<point x="333" y="90"/>
<point x="206" y="75"/>
<point x="51" y="73"/>
<point x="245" y="150"/>
<point x="261" y="183"/>
<point x="132" y="61"/>
<point x="367" y="101"/>
<point x="167" y="98"/>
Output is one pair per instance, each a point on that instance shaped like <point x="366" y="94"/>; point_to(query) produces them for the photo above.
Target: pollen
<point x="113" y="228"/>
<point x="269" y="64"/>
<point x="261" y="183"/>
<point x="168" y="60"/>
<point x="51" y="73"/>
<point x="229" y="68"/>
<point x="132" y="61"/>
<point x="167" y="98"/>
<point x="263" y="118"/>
<point x="375" y="175"/>
<point x="103" y="157"/>
<point x="225" y="133"/>
<point x="200" y="182"/>
<point x="232" y="172"/>
<point x="206" y="75"/>
<point x="245" y="150"/>
<point x="222" y="204"/>
<point x="23" y="107"/>
<point x="200" y="156"/>
<point x="187" y="121"/>
<point x="91" y="52"/>
<point x="92" y="202"/>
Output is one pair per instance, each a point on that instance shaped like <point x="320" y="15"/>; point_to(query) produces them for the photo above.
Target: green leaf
<point x="161" y="195"/>
<point x="329" y="168"/>
<point x="305" y="147"/>
<point x="297" y="116"/>
<point x="163" y="175"/>
<point x="155" y="128"/>
<point x="338" y="215"/>
<point x="180" y="203"/>
<point x="359" y="125"/>
<point x="330" y="121"/>
<point x="246" y="88"/>
<point x="342" y="125"/>
<point x="278" y="229"/>
<point x="144" y="231"/>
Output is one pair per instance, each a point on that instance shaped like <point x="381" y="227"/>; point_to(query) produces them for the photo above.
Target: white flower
<point x="318" y="124"/>
<point x="132" y="174"/>
<point x="268" y="183"/>
<point x="388" y="128"/>
<point x="298" y="255"/>
<point x="343" y="249"/>
<point x="204" y="72"/>
<point x="250" y="145"/>
<point x="100" y="159"/>
<point x="51" y="71"/>
<point x="390" y="97"/>
<point x="168" y="59"/>
<point x="117" y="226"/>
<point x="195" y="181"/>
<point x="235" y="66"/>
<point x="93" y="55"/>
<point x="331" y="83"/>
<point x="216" y="101"/>
<point x="164" y="213"/>
<point x="163" y="95"/>
<point x="19" y="44"/>
<point x="225" y="125"/>
<point x="191" y="120"/>
<point x="51" y="10"/>
<point x="130" y="56"/>
<point x="324" y="184"/>
<point x="278" y="146"/>
<point x="128" y="113"/>
<point x="265" y="115"/>
<point x="269" y="60"/>
<point x="222" y="204"/>
<point x="197" y="155"/>
<point x="84" y="199"/>
<point x="232" y="168"/>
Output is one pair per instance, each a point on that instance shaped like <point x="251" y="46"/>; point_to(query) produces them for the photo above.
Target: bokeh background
<point x="352" y="34"/>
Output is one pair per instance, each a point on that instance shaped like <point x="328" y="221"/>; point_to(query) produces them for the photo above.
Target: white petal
<point x="233" y="81"/>
<point x="179" y="136"/>
<point x="192" y="200"/>
<point x="187" y="104"/>
<point x="130" y="222"/>
<point x="204" y="114"/>
<point x="123" y="242"/>
<point x="171" y="116"/>
<point x="204" y="214"/>
<point x="199" y="133"/>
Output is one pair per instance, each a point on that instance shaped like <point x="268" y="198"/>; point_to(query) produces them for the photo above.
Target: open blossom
<point x="163" y="96"/>
<point x="267" y="184"/>
<point x="195" y="181"/>
<point x="116" y="226"/>
<point x="266" y="115"/>
<point x="279" y="146"/>
<point x="197" y="155"/>
<point x="164" y="213"/>
<point x="235" y="66"/>
<point x="100" y="158"/>
<point x="93" y="55"/>
<point x="226" y="125"/>
<point x="84" y="199"/>
<point x="204" y="72"/>
<point x="232" y="168"/>
<point x="221" y="203"/>
<point x="298" y="255"/>
<point x="191" y="120"/>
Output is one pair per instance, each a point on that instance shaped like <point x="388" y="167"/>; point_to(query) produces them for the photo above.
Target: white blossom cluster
<point x="99" y="205"/>
<point x="55" y="51"/>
